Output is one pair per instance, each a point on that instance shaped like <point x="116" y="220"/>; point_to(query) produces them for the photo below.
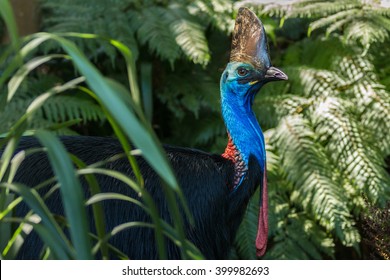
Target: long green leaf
<point x="15" y="242"/>
<point x="8" y="16"/>
<point x="31" y="45"/>
<point x="71" y="192"/>
<point x="97" y="208"/>
<point x="6" y="157"/>
<point x="110" y="196"/>
<point x="43" y="232"/>
<point x="23" y="71"/>
<point x="35" y="202"/>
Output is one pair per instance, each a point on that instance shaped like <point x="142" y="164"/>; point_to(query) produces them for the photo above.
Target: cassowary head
<point x="250" y="66"/>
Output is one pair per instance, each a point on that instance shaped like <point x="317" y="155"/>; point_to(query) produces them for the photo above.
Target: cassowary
<point x="217" y="187"/>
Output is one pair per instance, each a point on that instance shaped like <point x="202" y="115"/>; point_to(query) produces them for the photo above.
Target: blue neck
<point x="242" y="125"/>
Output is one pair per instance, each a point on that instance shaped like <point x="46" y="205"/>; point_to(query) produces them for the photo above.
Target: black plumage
<point x="216" y="210"/>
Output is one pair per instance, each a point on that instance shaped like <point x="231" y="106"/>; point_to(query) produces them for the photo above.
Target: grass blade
<point x="146" y="86"/>
<point x="97" y="208"/>
<point x="71" y="192"/>
<point x="23" y="71"/>
<point x="35" y="203"/>
<point x="8" y="16"/>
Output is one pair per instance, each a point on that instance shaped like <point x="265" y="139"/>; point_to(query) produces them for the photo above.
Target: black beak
<point x="275" y="74"/>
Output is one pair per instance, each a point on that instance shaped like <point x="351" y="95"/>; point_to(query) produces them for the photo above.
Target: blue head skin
<point x="239" y="84"/>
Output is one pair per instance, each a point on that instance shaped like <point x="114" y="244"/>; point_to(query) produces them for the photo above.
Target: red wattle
<point x="230" y="151"/>
<point x="262" y="229"/>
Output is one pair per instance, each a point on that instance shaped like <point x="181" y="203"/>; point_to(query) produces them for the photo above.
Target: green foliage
<point x="326" y="128"/>
<point x="173" y="36"/>
<point x="362" y="21"/>
<point x="57" y="114"/>
<point x="365" y="22"/>
<point x="330" y="156"/>
<point x="169" y="29"/>
<point x="128" y="122"/>
<point x="329" y="139"/>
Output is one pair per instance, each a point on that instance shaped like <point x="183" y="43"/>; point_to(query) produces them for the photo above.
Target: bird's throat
<point x="233" y="154"/>
<point x="245" y="138"/>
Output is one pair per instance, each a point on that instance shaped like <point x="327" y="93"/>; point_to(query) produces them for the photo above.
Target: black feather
<point x="204" y="178"/>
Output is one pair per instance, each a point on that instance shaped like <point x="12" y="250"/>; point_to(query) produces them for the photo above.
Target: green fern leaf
<point x="65" y="108"/>
<point x="306" y="165"/>
<point x="153" y="31"/>
<point x="191" y="38"/>
<point x="358" y="161"/>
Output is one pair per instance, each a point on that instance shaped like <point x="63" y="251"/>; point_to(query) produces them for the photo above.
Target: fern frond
<point x="338" y="24"/>
<point x="56" y="110"/>
<point x="361" y="163"/>
<point x="373" y="101"/>
<point x="377" y="118"/>
<point x="153" y="31"/>
<point x="363" y="22"/>
<point x="168" y="29"/>
<point x="217" y="12"/>
<point x="290" y="228"/>
<point x="272" y="108"/>
<point x="64" y="108"/>
<point x="210" y="128"/>
<point x="191" y="38"/>
<point x="304" y="236"/>
<point x="272" y="9"/>
<point x="321" y="83"/>
<point x="333" y="19"/>
<point x="201" y="133"/>
<point x="316" y="188"/>
<point x="366" y="33"/>
<point x="88" y="17"/>
<point x="294" y="235"/>
<point x="11" y="113"/>
<point x="314" y="9"/>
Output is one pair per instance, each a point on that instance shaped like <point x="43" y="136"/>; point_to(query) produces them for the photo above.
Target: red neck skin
<point x="230" y="150"/>
<point x="233" y="154"/>
<point x="240" y="168"/>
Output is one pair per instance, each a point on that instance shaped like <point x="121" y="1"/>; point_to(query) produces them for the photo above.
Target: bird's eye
<point x="242" y="71"/>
